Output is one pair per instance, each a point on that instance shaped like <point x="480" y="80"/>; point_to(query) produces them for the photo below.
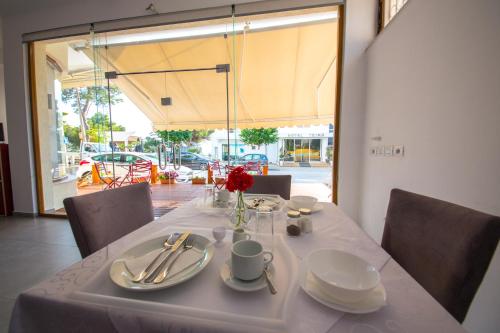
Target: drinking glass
<point x="264" y="227"/>
<point x="209" y="196"/>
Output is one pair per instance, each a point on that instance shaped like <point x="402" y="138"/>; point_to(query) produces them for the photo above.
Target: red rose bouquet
<point x="240" y="181"/>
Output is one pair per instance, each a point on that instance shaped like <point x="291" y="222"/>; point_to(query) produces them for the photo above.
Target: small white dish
<point x="303" y="201"/>
<point x="219" y="233"/>
<point x="240" y="285"/>
<point x="343" y="275"/>
<point x="375" y="300"/>
<point x="317" y="207"/>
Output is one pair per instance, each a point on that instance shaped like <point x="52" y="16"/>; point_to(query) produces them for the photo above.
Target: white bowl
<point x="342" y="275"/>
<point x="303" y="201"/>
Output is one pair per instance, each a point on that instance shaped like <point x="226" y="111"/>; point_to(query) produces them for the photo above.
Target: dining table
<point x="82" y="297"/>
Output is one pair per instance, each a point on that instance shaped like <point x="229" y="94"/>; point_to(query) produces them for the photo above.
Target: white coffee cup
<point x="248" y="259"/>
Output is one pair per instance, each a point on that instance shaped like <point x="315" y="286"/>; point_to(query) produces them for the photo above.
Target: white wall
<point x="360" y="30"/>
<point x="433" y="85"/>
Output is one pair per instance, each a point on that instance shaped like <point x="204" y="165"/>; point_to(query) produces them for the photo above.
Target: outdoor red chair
<point x="106" y="177"/>
<point x="253" y="167"/>
<point x="139" y="172"/>
<point x="218" y="177"/>
<point x="216" y="168"/>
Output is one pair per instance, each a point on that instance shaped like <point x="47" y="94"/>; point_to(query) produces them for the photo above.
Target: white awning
<point x="285" y="77"/>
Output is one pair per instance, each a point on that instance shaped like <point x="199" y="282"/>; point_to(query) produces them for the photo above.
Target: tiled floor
<point x="31" y="250"/>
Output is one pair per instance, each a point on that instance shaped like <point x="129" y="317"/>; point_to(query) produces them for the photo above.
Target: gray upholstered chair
<point x="100" y="218"/>
<point x="445" y="247"/>
<point x="272" y="184"/>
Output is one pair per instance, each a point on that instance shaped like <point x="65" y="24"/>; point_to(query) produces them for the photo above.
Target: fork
<point x="188" y="245"/>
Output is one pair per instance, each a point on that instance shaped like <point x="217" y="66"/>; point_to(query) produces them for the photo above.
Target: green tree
<point x="150" y="145"/>
<point x="73" y="135"/>
<point x="82" y="98"/>
<point x="98" y="125"/>
<point x="199" y="135"/>
<point x="175" y="136"/>
<point x="259" y="136"/>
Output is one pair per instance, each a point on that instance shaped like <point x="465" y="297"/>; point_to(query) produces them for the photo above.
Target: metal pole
<point x="168" y="71"/>
<point x="227" y="120"/>
<point x="111" y="134"/>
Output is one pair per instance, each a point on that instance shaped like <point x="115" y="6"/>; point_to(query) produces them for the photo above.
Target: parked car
<point x="262" y="158"/>
<point x="191" y="160"/>
<point x="123" y="161"/>
<point x="88" y="149"/>
<point x="233" y="157"/>
<point x="194" y="161"/>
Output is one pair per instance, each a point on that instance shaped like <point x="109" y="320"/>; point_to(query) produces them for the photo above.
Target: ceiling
<point x="8" y="7"/>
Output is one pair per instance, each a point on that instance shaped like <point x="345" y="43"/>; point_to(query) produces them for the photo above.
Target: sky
<point x="125" y="113"/>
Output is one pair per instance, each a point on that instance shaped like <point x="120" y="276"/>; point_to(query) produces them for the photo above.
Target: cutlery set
<point x="175" y="245"/>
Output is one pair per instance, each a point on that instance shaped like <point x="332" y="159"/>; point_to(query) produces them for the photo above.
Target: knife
<point x="160" y="267"/>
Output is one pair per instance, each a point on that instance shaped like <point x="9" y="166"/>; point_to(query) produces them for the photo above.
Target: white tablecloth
<point x="52" y="306"/>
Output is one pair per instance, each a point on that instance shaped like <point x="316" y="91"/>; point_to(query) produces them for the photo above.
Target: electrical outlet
<point x="399" y="151"/>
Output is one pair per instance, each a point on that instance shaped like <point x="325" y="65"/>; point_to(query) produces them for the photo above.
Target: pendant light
<point x="166" y="101"/>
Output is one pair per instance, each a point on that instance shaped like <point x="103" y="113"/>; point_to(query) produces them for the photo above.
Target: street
<point x="304" y="174"/>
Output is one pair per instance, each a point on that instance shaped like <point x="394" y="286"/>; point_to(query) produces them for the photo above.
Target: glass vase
<point x="239" y="214"/>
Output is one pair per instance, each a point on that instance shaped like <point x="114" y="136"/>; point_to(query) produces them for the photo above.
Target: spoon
<point x="167" y="245"/>
<point x="270" y="284"/>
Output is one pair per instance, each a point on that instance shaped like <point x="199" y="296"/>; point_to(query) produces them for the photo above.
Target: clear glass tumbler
<point x="264" y="227"/>
<point x="209" y="196"/>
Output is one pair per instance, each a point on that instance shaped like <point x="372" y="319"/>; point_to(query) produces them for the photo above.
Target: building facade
<point x="296" y="146"/>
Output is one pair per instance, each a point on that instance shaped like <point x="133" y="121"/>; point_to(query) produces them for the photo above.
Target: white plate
<point x="317" y="207"/>
<point x="272" y="201"/>
<point x="376" y="299"/>
<point x="188" y="265"/>
<point x="240" y="285"/>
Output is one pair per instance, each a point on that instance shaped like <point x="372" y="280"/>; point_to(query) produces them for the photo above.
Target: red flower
<point x="239" y="180"/>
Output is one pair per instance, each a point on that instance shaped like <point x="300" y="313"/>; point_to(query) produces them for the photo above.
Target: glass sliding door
<point x="170" y="85"/>
<point x="285" y="92"/>
<point x="57" y="162"/>
<point x="315" y="150"/>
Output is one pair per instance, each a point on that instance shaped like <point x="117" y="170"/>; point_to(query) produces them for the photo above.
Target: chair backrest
<point x="140" y="171"/>
<point x="100" y="218"/>
<point x="102" y="172"/>
<point x="252" y="166"/>
<point x="216" y="169"/>
<point x="445" y="247"/>
<point x="273" y="184"/>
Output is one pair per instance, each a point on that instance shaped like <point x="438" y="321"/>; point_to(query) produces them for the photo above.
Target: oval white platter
<point x="189" y="264"/>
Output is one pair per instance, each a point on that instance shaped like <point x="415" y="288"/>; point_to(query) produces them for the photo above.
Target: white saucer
<point x="317" y="207"/>
<point x="240" y="285"/>
<point x="372" y="303"/>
